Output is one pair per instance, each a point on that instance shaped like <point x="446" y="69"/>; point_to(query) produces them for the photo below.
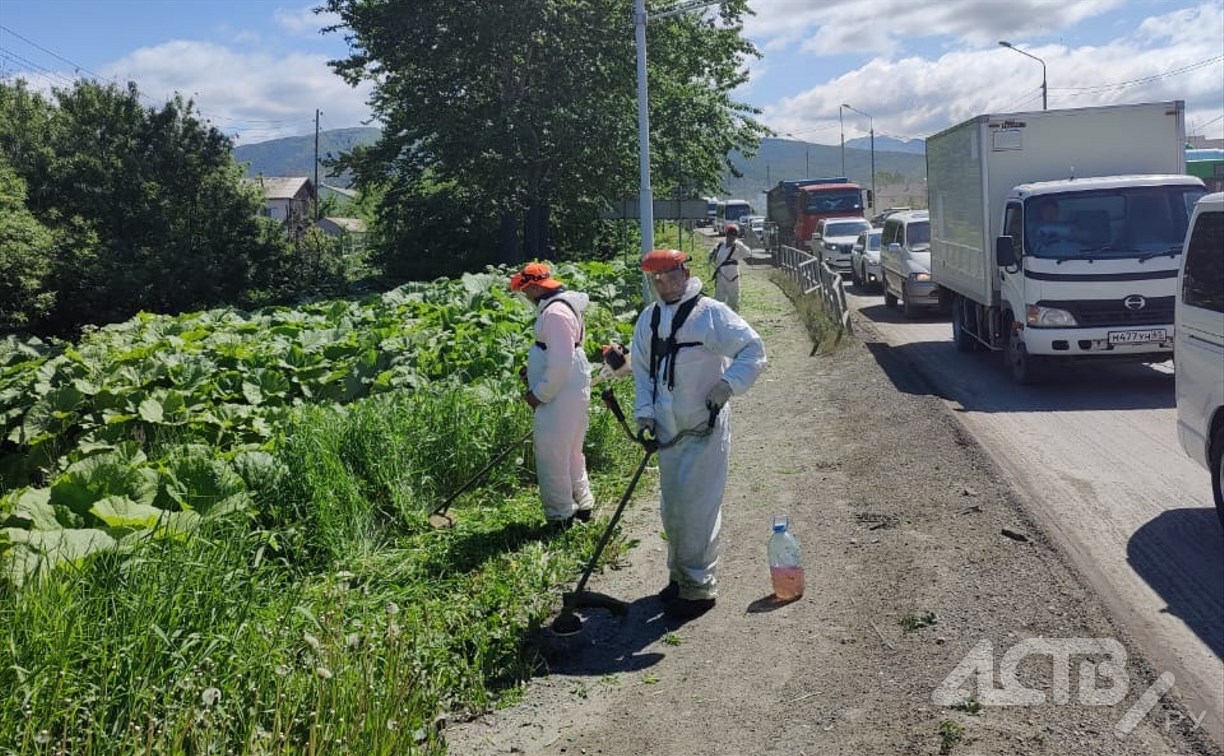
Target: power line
<point x="44" y="72"/>
<point x="53" y="54"/>
<point x="1143" y="80"/>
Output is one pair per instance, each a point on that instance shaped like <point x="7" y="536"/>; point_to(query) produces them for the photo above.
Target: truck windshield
<point x="833" y="200"/>
<point x="1136" y="221"/>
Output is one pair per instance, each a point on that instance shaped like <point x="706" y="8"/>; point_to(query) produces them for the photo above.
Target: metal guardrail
<point x="812" y="276"/>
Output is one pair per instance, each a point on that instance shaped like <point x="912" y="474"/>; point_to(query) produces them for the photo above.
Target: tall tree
<point x="517" y="120"/>
<point x="26" y="250"/>
<point x="150" y="198"/>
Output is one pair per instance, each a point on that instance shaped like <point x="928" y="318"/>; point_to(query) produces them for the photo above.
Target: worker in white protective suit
<point x="558" y="380"/>
<point x="690" y="354"/>
<point x="725" y="258"/>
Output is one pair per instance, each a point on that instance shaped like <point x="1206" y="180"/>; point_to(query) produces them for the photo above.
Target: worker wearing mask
<point x="725" y="258"/>
<point x="558" y="380"/>
<point x="690" y="354"/>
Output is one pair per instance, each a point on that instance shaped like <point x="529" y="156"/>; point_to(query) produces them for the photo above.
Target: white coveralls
<point x="726" y="258"/>
<point x="693" y="473"/>
<point x="560" y="377"/>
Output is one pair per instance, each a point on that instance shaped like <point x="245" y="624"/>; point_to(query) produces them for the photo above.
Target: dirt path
<point x="902" y="517"/>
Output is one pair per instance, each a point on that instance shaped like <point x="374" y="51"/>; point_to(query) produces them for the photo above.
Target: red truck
<point x="815" y="201"/>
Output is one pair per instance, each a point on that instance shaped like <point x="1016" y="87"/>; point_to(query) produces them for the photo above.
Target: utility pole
<point x="842" y="125"/>
<point x="316" y="166"/>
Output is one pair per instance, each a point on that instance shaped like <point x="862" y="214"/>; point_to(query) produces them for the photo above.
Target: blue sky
<point x="257" y="68"/>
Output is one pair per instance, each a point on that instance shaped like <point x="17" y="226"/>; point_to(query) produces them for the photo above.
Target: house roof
<point x="352" y="225"/>
<point x="350" y="193"/>
<point x="283" y="187"/>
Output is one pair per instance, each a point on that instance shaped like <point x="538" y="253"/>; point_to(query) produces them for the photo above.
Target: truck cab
<point x="1087" y="267"/>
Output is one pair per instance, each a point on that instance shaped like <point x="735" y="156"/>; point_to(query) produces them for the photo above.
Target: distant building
<point x="1199" y="142"/>
<point x="327" y="191"/>
<point x="351" y="231"/>
<point x="286" y="198"/>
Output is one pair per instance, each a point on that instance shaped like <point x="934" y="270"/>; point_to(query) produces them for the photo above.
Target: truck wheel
<point x="1217" y="471"/>
<point x="890" y="299"/>
<point x="962" y="338"/>
<point x="1024" y="368"/>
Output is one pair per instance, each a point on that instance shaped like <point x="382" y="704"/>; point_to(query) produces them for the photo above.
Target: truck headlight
<point x="1049" y="317"/>
<point x="830" y="247"/>
<point x="920" y="276"/>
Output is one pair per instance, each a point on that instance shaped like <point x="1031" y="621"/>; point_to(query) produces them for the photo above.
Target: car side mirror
<point x="894" y="247"/>
<point x="1005" y="252"/>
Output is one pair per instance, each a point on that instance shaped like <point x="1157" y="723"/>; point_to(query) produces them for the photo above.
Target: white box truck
<point x="1056" y="234"/>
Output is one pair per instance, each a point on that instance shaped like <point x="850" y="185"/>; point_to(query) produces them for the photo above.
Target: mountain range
<point x="774" y="161"/>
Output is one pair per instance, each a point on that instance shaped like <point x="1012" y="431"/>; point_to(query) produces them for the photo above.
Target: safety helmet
<point x="663" y="260"/>
<point x="731" y="229"/>
<point x="534" y="273"/>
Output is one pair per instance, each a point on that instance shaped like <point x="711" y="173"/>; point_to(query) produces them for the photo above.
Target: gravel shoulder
<point x="904" y="520"/>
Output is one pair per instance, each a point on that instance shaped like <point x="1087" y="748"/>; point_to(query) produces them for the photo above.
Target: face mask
<point x="669" y="286"/>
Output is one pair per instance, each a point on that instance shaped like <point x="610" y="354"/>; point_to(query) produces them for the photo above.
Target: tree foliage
<point x="26" y="248"/>
<point x="146" y="204"/>
<point x="507" y="125"/>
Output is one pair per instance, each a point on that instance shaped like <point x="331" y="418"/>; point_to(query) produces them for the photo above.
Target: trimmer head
<point x="568" y="623"/>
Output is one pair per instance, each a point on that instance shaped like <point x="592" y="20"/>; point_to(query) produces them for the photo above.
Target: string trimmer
<point x="614" y="364"/>
<point x="569" y="623"/>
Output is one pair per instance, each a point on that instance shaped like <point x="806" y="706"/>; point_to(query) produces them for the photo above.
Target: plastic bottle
<point x="785" y="564"/>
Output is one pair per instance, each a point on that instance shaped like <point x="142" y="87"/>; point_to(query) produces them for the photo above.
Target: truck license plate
<point x="1138" y="337"/>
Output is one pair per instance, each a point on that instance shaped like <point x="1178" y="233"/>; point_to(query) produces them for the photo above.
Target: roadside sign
<point x="664" y="209"/>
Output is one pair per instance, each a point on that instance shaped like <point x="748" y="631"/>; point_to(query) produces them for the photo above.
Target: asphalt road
<point x="1095" y="451"/>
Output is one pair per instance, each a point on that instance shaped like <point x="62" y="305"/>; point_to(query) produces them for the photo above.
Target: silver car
<point x="865" y="259"/>
<point x="833" y="240"/>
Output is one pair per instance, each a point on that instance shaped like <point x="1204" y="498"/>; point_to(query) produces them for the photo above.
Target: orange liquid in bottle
<point x="787" y="582"/>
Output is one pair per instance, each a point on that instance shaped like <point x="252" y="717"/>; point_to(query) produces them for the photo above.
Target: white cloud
<point x="252" y="96"/>
<point x="303" y="22"/>
<point x="1177" y="55"/>
<point x="841" y="26"/>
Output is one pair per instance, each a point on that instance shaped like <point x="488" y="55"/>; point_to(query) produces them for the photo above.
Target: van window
<point x="1203" y="282"/>
<point x="889" y="234"/>
<point x="918" y="232"/>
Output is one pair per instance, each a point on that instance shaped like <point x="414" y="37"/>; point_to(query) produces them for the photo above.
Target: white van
<point x="731" y="211"/>
<point x="1198" y="342"/>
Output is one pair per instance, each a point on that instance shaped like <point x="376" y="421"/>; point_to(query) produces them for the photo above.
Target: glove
<point x="646" y="425"/>
<point x="718" y="395"/>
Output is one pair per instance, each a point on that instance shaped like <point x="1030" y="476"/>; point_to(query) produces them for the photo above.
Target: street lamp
<point x="646" y="199"/>
<point x="871" y="130"/>
<point x="1010" y="46"/>
<point x="842" y="124"/>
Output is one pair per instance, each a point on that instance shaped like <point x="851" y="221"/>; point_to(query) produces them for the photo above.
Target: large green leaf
<point x="31" y="508"/>
<point x="50" y="414"/>
<point x="122" y="512"/>
<point x="116" y="473"/>
<point x="24" y="553"/>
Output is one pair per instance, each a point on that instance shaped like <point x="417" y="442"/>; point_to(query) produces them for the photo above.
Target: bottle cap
<point x="780" y="523"/>
<point x="779" y="527"/>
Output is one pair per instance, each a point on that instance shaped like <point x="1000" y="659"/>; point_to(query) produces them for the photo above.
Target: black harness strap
<point x="581" y="324"/>
<point x="663" y="351"/>
<point x="725" y="263"/>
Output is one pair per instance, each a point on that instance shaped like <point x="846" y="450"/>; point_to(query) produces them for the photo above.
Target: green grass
<point x="821" y="327"/>
<point x="334" y="620"/>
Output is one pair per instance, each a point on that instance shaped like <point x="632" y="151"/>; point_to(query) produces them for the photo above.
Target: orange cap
<point x="662" y="260"/>
<point x="534" y="273"/>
